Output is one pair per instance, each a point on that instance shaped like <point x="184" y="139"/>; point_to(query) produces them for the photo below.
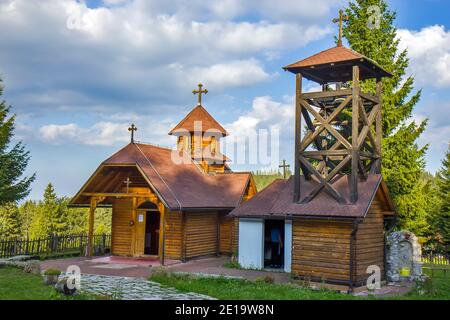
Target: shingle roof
<point x="277" y="200"/>
<point x="198" y="114"/>
<point x="181" y="186"/>
<point x="335" y="64"/>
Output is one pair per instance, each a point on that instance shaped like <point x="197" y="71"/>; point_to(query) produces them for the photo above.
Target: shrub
<point x="266" y="279"/>
<point x="52" y="272"/>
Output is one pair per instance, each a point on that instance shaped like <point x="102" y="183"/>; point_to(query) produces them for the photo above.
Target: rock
<point x="62" y="287"/>
<point x="32" y="266"/>
<point x="23" y="258"/>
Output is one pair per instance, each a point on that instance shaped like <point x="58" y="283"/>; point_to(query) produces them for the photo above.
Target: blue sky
<point x="78" y="73"/>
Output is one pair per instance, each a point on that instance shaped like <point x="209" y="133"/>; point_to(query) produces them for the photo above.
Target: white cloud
<point x="127" y="49"/>
<point x="429" y="53"/>
<point x="102" y="133"/>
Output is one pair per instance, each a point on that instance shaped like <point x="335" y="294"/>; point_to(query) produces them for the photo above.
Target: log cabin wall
<point x="370" y="240"/>
<point x="321" y="250"/>
<point x="202" y="234"/>
<point x="226" y="233"/>
<point x="121" y="231"/>
<point x="173" y="235"/>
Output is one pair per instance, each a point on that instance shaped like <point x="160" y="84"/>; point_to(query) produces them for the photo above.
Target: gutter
<point x="353" y="262"/>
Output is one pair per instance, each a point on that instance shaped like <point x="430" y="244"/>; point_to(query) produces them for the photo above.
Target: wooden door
<point x="140" y="233"/>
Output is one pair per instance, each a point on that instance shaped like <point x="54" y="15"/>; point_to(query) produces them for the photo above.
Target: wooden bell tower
<point x="342" y="137"/>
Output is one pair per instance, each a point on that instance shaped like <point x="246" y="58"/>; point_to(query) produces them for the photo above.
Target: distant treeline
<point x="47" y="217"/>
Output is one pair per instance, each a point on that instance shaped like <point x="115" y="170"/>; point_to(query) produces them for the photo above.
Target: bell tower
<point x="199" y="134"/>
<point x="342" y="134"/>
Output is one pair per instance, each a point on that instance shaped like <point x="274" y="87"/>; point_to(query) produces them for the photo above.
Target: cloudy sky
<point x="77" y="73"/>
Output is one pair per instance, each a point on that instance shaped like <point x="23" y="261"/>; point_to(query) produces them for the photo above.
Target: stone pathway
<point x="125" y="288"/>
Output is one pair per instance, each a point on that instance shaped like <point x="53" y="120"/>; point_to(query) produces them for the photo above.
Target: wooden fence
<point x="436" y="259"/>
<point x="54" y="245"/>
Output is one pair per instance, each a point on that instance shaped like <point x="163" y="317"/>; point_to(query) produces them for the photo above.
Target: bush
<point x="266" y="279"/>
<point x="52" y="272"/>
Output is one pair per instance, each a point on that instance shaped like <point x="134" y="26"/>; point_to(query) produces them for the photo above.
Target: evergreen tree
<point x="371" y="31"/>
<point x="442" y="218"/>
<point x="53" y="209"/>
<point x="13" y="161"/>
<point x="9" y="221"/>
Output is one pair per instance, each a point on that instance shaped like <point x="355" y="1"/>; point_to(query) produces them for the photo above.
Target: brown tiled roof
<point x="332" y="55"/>
<point x="198" y="114"/>
<point x="277" y="200"/>
<point x="181" y="186"/>
<point x="327" y="66"/>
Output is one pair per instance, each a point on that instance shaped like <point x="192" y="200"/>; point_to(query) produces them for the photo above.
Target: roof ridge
<point x="203" y="110"/>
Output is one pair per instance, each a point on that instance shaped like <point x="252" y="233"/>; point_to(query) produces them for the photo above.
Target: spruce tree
<point x="442" y="218"/>
<point x="53" y="209"/>
<point x="13" y="160"/>
<point x="370" y="30"/>
<point x="9" y="221"/>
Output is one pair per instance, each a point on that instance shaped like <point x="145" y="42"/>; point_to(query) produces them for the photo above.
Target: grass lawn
<point x="223" y="288"/>
<point x="17" y="285"/>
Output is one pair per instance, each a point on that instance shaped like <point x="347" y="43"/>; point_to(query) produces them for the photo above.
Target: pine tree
<point x="403" y="163"/>
<point x="9" y="221"/>
<point x="53" y="209"/>
<point x="13" y="161"/>
<point x="442" y="219"/>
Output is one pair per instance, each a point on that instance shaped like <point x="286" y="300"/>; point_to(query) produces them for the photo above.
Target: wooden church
<point x="168" y="203"/>
<point x="328" y="219"/>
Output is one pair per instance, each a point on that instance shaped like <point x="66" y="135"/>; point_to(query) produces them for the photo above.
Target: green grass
<point x="224" y="288"/>
<point x="17" y="285"/>
<point x="262" y="180"/>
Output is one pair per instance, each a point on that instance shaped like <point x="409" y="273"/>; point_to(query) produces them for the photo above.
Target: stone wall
<point x="403" y="252"/>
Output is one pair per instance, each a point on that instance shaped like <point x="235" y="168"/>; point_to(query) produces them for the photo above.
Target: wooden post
<point x="379" y="125"/>
<point x="91" y="226"/>
<point x="355" y="134"/>
<point x="298" y="135"/>
<point x="162" y="224"/>
<point x="183" y="236"/>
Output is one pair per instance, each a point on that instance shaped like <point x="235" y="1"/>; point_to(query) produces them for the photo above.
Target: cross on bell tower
<point x="340" y="20"/>
<point x="200" y="92"/>
<point x="132" y="129"/>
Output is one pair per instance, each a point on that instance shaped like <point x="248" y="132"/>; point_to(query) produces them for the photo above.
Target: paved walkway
<point x="125" y="288"/>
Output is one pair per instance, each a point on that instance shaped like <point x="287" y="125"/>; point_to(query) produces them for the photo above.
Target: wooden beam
<point x="162" y="227"/>
<point x="117" y="195"/>
<point x="371" y="98"/>
<point x="326" y="124"/>
<point x="298" y="134"/>
<point x="93" y="205"/>
<point x="379" y="124"/>
<point x="323" y="181"/>
<point x="327" y="94"/>
<point x="355" y="135"/>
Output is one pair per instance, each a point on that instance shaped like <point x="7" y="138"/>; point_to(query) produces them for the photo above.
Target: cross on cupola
<point x="200" y="92"/>
<point x="132" y="129"/>
<point x="340" y="20"/>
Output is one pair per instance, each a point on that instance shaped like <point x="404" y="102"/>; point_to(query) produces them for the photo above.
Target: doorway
<point x="274" y="244"/>
<point x="152" y="223"/>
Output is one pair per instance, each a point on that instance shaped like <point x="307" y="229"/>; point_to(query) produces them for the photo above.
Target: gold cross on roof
<point x="200" y="92"/>
<point x="342" y="18"/>
<point x="132" y="129"/>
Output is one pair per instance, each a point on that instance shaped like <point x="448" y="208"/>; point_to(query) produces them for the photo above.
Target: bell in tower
<point x="342" y="138"/>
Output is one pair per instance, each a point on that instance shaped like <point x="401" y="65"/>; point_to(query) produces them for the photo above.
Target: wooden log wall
<point x="321" y="250"/>
<point x="226" y="234"/>
<point x="173" y="235"/>
<point x="370" y="240"/>
<point x="201" y="234"/>
<point x="122" y="213"/>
